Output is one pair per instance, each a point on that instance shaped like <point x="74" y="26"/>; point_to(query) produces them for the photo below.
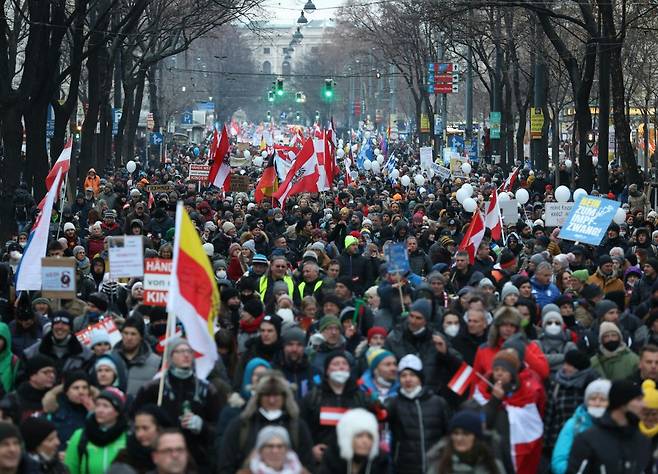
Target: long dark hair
<point x="483" y="456"/>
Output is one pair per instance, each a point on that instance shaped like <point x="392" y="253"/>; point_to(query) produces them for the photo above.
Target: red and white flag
<point x="324" y="182"/>
<point x="463" y="379"/>
<point x="303" y="176"/>
<point x="494" y="220"/>
<point x="63" y="163"/>
<point x="220" y="169"/>
<point x="151" y="202"/>
<point x="511" y="179"/>
<point x="330" y="416"/>
<point x="473" y="236"/>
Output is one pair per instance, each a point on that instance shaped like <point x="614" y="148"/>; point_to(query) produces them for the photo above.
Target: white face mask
<point x="419" y="331"/>
<point x="553" y="329"/>
<point x="221" y="273"/>
<point x="270" y="415"/>
<point x="451" y="330"/>
<point x="596" y="412"/>
<point x="339" y="376"/>
<point x="413" y="393"/>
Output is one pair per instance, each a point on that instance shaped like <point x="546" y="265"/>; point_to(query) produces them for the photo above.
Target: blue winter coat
<point x="544" y="294"/>
<point x="579" y="422"/>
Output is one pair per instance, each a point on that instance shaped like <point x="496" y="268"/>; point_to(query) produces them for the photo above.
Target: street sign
<point x="494" y="125"/>
<point x="156" y="138"/>
<point x="150" y="121"/>
<point x="424" y="123"/>
<point x="536" y="123"/>
<point x="116" y="118"/>
<point x="207" y="106"/>
<point x="199" y="173"/>
<point x="589" y="219"/>
<point x="50" y="122"/>
<point x="438" y="124"/>
<point x="157" y="272"/>
<point x="186" y="118"/>
<point x="58" y="277"/>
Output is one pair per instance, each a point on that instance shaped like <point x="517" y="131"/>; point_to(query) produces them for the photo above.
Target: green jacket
<point x="8" y="362"/>
<point x="97" y="460"/>
<point x="616" y="367"/>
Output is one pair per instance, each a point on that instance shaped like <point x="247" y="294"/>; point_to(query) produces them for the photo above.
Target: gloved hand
<point x="194" y="423"/>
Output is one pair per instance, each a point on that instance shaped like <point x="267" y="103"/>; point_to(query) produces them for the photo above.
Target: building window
<point x="266" y="50"/>
<point x="315" y="49"/>
<point x="267" y="67"/>
<point x="285" y="68"/>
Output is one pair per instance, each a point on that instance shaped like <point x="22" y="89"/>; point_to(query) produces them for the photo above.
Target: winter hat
<point x="518" y="343"/>
<point x="173" y="345"/>
<point x="581" y="275"/>
<point x="603" y="259"/>
<point x="352" y="423"/>
<point x="507" y="315"/>
<point x="332" y="355"/>
<point x="268" y="433"/>
<point x="34" y="431"/>
<point x="349" y="240"/>
<point x="551" y="316"/>
<point x="486" y="282"/>
<point x="374" y="357"/>
<point x="608" y="327"/>
<point x="106" y="361"/>
<point x="591" y="291"/>
<point x="598" y="386"/>
<point x="345" y="281"/>
<point x="68" y="226"/>
<point x="332" y="298"/>
<point x="260" y="258"/>
<point x="115" y="396"/>
<point x="99" y="300"/>
<point x="550" y="307"/>
<point x="422" y="306"/>
<point x="228" y="293"/>
<point x="138" y="285"/>
<point x="208" y="249"/>
<point x="537" y="259"/>
<point x="279" y="286"/>
<point x="508" y="360"/>
<point x="376" y="330"/>
<point x="77" y="249"/>
<point x="622" y="392"/>
<point x="37" y="362"/>
<point x="253" y="306"/>
<point x="467" y="420"/>
<point x="134" y="322"/>
<point x="507" y="258"/>
<point x="508" y="289"/>
<point x="275" y="321"/>
<point x="577" y="359"/>
<point x="69" y="378"/>
<point x="653" y="262"/>
<point x="564" y="299"/>
<point x="9" y="430"/>
<point x="327" y="321"/>
<point x="603" y="306"/>
<point x="63" y="317"/>
<point x="650" y="394"/>
<point x="293" y="334"/>
<point x="227" y="227"/>
<point x="99" y="336"/>
<point x="413" y="363"/>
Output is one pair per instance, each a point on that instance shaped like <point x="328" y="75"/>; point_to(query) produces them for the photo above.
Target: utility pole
<point x="497" y="90"/>
<point x="439" y="102"/>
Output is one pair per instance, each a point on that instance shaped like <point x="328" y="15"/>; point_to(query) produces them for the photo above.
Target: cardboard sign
<point x="509" y="210"/>
<point x="456" y="167"/>
<point x="160" y="188"/>
<point x="441" y="171"/>
<point x="106" y="324"/>
<point x="239" y="183"/>
<point x="589" y="219"/>
<point x="397" y="258"/>
<point x="199" y="173"/>
<point x="426" y="157"/>
<point x="58" y="277"/>
<point x="157" y="272"/>
<point x="126" y="256"/>
<point x="556" y="213"/>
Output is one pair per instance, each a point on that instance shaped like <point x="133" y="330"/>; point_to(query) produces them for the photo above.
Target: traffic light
<point x="298" y="97"/>
<point x="269" y="115"/>
<point x="279" y="87"/>
<point x="317" y="115"/>
<point x="328" y="88"/>
<point x="270" y="96"/>
<point x="298" y="116"/>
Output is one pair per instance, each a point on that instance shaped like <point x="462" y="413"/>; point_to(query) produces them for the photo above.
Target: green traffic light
<point x="279" y="92"/>
<point x="328" y="93"/>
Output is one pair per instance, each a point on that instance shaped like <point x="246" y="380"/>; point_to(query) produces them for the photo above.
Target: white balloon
<point x="595" y="160"/>
<point x="405" y="180"/>
<point x="263" y="154"/>
<point x="562" y="194"/>
<point x="468" y="188"/>
<point x="568" y="164"/>
<point x="246" y="154"/>
<point x="355" y="147"/>
<point x="578" y="193"/>
<point x="380" y="159"/>
<point x="354" y="174"/>
<point x="377" y="151"/>
<point x="504" y="197"/>
<point x="367" y="165"/>
<point x="340" y="153"/>
<point x="258" y="162"/>
<point x="469" y="205"/>
<point x="419" y="179"/>
<point x="466" y="168"/>
<point x="395" y="174"/>
<point x="376" y="168"/>
<point x="340" y="142"/>
<point x="348" y="162"/>
<point x="522" y="195"/>
<point x="461" y="195"/>
<point x="366" y="135"/>
<point x="620" y="216"/>
<point x="131" y="166"/>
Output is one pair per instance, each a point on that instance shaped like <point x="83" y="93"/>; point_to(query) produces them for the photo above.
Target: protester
<point x="42" y="444"/>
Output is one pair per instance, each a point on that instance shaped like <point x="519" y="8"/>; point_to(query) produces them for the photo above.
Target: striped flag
<point x="463" y="379"/>
<point x="193" y="294"/>
<point x="330" y="416"/>
<point x="220" y="161"/>
<point x="493" y="219"/>
<point x="303" y="176"/>
<point x="473" y="236"/>
<point x="63" y="163"/>
<point x="511" y="179"/>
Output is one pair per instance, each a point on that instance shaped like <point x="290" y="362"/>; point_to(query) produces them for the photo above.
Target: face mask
<point x="553" y="329"/>
<point x="181" y="373"/>
<point x="220" y="274"/>
<point x="596" y="412"/>
<point x="612" y="345"/>
<point x="278" y="219"/>
<point x="451" y="330"/>
<point x="270" y="415"/>
<point x="413" y="393"/>
<point x="339" y="376"/>
<point x="419" y="331"/>
<point x="234" y="307"/>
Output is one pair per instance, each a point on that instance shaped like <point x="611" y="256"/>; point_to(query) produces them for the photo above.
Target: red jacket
<point x="534" y="358"/>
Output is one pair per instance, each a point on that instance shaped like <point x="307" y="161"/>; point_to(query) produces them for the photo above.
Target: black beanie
<point x="254" y="307"/>
<point x="37" y="362"/>
<point x="577" y="359"/>
<point x="622" y="392"/>
<point x="332" y="355"/>
<point x="157" y="313"/>
<point x="34" y="431"/>
<point x="9" y="430"/>
<point x="276" y="321"/>
<point x="228" y="293"/>
<point x="99" y="300"/>
<point x="134" y="322"/>
<point x="69" y="378"/>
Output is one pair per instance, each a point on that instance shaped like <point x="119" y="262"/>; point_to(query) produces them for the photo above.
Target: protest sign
<point x="239" y="183"/>
<point x="160" y="188"/>
<point x="106" y="324"/>
<point x="441" y="171"/>
<point x="397" y="258"/>
<point x="509" y="210"/>
<point x="426" y="157"/>
<point x="556" y="213"/>
<point x="58" y="277"/>
<point x="199" y="173"/>
<point x="589" y="219"/>
<point x="126" y="256"/>
<point x="156" y="281"/>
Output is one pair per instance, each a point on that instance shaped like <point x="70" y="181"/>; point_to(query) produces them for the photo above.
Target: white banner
<point x="126" y="256"/>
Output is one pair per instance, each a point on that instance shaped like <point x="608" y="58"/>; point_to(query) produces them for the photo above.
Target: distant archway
<point x="267" y="67"/>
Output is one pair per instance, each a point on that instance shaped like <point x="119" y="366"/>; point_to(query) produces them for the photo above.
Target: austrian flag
<point x="463" y="379"/>
<point x="303" y="176"/>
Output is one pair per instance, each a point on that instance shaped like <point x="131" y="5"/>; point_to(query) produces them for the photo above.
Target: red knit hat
<point x="376" y="330"/>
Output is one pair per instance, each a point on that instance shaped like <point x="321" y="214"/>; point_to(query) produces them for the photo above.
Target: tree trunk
<point x="604" y="116"/>
<point x="35" y="117"/>
<point x="132" y="121"/>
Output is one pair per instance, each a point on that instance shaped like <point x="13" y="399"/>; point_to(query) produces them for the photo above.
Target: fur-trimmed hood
<point x="505" y="314"/>
<point x="272" y="381"/>
<point x="50" y="399"/>
<point x="351" y="424"/>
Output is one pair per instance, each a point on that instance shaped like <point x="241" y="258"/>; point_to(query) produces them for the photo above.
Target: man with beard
<point x="266" y="346"/>
<point x="463" y="274"/>
<point x="605" y="276"/>
<point x="294" y="364"/>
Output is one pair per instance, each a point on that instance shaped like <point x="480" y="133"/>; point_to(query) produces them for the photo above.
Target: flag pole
<point x="169" y="331"/>
<point x="62" y="199"/>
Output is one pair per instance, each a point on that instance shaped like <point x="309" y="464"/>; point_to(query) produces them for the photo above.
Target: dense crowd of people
<point x="327" y="362"/>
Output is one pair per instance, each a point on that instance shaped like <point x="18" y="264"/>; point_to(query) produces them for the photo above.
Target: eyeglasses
<point x="553" y="323"/>
<point x="182" y="351"/>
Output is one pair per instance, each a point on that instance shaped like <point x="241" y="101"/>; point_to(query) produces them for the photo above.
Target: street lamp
<point x="302" y="19"/>
<point x="309" y="7"/>
<point x="297" y="35"/>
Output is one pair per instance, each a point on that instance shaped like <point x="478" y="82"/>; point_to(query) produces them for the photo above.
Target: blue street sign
<point x="186" y="118"/>
<point x="116" y="118"/>
<point x="397" y="258"/>
<point x="207" y="106"/>
<point x="283" y="115"/>
<point x="156" y="138"/>
<point x="473" y="151"/>
<point x="589" y="219"/>
<point x="50" y="122"/>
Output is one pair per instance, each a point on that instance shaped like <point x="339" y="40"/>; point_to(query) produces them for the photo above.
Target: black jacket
<point x="467" y="345"/>
<point x="401" y="342"/>
<point x="610" y="448"/>
<point x="416" y="425"/>
<point x="356" y="268"/>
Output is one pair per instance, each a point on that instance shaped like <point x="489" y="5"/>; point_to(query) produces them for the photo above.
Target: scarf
<point x="291" y="465"/>
<point x="140" y="456"/>
<point x="648" y="432"/>
<point x="251" y="327"/>
<point x="102" y="437"/>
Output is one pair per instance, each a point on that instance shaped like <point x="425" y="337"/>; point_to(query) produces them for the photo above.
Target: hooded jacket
<point x="401" y="341"/>
<point x="8" y="362"/>
<point x="616" y="365"/>
<point x="580" y="421"/>
<point x="66" y="416"/>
